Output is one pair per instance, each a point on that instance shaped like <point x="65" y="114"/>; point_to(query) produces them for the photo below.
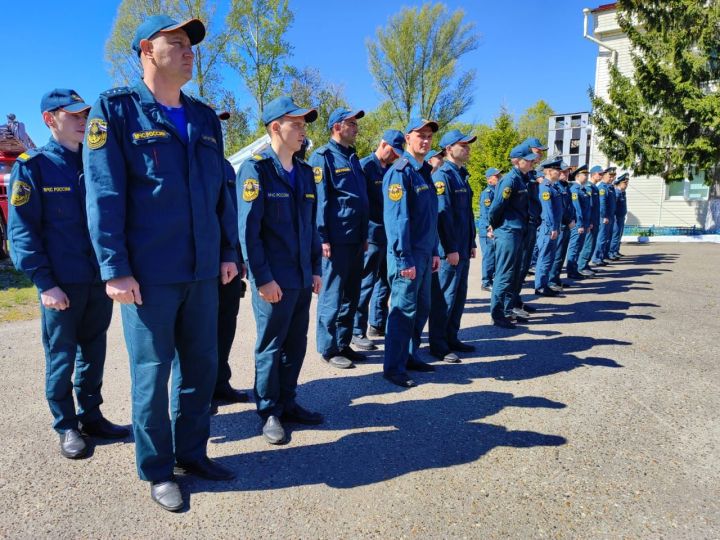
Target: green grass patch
<point x="18" y="296"/>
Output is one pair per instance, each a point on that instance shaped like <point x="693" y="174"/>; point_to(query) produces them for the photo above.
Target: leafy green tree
<point x="414" y="60"/>
<point x="123" y="64"/>
<point x="665" y="118"/>
<point x="534" y="121"/>
<point x="257" y="48"/>
<point x="309" y="89"/>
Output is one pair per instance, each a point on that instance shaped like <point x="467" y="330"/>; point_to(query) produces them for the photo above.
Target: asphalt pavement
<point x="598" y="419"/>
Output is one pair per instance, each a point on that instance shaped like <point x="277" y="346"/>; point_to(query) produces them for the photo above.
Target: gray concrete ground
<point x="599" y="419"/>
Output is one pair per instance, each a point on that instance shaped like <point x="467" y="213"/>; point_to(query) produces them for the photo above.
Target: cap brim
<point x="357" y="115"/>
<point x="194" y="28"/>
<point x="75" y="108"/>
<point x="310" y="115"/>
<point x="432" y="125"/>
<point x="469" y="139"/>
<point x="224" y="115"/>
<point x="398" y="151"/>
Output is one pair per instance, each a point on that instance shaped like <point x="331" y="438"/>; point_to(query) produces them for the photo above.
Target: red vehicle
<point x="13" y="142"/>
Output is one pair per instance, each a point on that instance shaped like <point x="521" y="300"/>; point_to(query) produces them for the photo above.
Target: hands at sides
<point x="408" y="273"/>
<point x="326" y="250"/>
<point x="317" y="284"/>
<point x="271" y="292"/>
<point x="55" y="298"/>
<point x="228" y="271"/>
<point x="435" y="263"/>
<point x="452" y="258"/>
<point x="125" y="290"/>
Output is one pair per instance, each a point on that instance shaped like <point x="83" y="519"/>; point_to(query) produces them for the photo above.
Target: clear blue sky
<point x="530" y="49"/>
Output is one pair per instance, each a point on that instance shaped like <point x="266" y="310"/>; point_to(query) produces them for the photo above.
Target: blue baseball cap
<point x="552" y="163"/>
<point x="609" y="170"/>
<point x="395" y="139"/>
<point x="434" y="153"/>
<point x="285" y="106"/>
<point x="596" y="169"/>
<point x="534" y="142"/>
<point x="194" y="28"/>
<point x="492" y="171"/>
<point x="522" y="151"/>
<point x="342" y="113"/>
<point x="419" y="123"/>
<point x="63" y="98"/>
<point x="456" y="136"/>
<point x="624" y="177"/>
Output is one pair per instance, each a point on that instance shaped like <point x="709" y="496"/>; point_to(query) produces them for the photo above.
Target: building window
<point x="575" y="146"/>
<point x="690" y="189"/>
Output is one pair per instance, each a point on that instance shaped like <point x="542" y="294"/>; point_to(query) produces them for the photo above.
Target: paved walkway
<point x="599" y="419"/>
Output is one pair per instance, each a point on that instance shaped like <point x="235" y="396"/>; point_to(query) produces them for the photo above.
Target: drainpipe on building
<point x="613" y="52"/>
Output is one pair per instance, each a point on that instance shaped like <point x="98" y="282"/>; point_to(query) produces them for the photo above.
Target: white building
<point x="569" y="136"/>
<point x="651" y="202"/>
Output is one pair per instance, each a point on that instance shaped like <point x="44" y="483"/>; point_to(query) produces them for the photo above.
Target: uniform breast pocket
<point x="62" y="202"/>
<point x="278" y="207"/>
<point x="154" y="157"/>
<point x="461" y="198"/>
<point x="210" y="160"/>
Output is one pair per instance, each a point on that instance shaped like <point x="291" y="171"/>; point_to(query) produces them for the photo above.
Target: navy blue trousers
<point x="374" y="290"/>
<point x="409" y="309"/>
<point x="546" y="257"/>
<point x="508" y="260"/>
<point x="280" y="348"/>
<point x="338" y="301"/>
<point x="228" y="307"/>
<point x="173" y="333"/>
<point x="560" y="253"/>
<point x="487" y="248"/>
<point x="449" y="293"/>
<point x="74" y="339"/>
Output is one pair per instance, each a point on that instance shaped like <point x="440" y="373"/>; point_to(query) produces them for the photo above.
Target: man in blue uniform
<point x="620" y="184"/>
<point x="487" y="239"/>
<point x="551" y="212"/>
<point x="342" y="221"/>
<point x="49" y="242"/>
<point x="163" y="228"/>
<point x="568" y="223"/>
<point x="282" y="249"/>
<point x="410" y="213"/>
<point x="534" y="219"/>
<point x="591" y="237"/>
<point x="456" y="229"/>
<point x="581" y="200"/>
<point x="508" y="218"/>
<point x="435" y="158"/>
<point x="374" y="288"/>
<point x="607" y="213"/>
<point x="229" y="295"/>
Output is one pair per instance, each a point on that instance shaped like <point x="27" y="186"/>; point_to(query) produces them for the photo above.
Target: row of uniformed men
<point x="547" y="217"/>
<point x="152" y="223"/>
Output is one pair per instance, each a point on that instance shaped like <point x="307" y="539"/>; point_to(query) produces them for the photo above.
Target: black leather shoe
<point x="167" y="495"/>
<point x="487" y="288"/>
<point x="273" y="431"/>
<point x="104" y="429"/>
<point x="587" y="273"/>
<point x="206" y="468"/>
<point x="575" y="275"/>
<point x="230" y="395"/>
<point x="459" y="346"/>
<point x="545" y="292"/>
<point x="375" y="331"/>
<point x="363" y="343"/>
<point x="300" y="415"/>
<point x="338" y="361"/>
<point x="504" y="323"/>
<point x="416" y="365"/>
<point x="355" y="356"/>
<point x="446" y="356"/>
<point x="528" y="308"/>
<point x="72" y="445"/>
<point x="401" y="379"/>
<point x="518" y="319"/>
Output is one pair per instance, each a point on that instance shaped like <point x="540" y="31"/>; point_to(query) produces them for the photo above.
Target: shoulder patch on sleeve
<point x="506" y="193"/>
<point x="574" y="196"/>
<point x="602" y="192"/>
<point x="251" y="189"/>
<point x="546" y="196"/>
<point x="20" y="193"/>
<point x="487" y="202"/>
<point x="440" y="187"/>
<point x="318" y="174"/>
<point x="96" y="133"/>
<point x="395" y="192"/>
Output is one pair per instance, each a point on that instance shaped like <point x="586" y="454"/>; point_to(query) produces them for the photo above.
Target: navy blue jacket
<point x="604" y="199"/>
<point x="456" y="223"/>
<point x="509" y="209"/>
<point x="595" y="205"/>
<point x="230" y="178"/>
<point x="277" y="223"/>
<point x="410" y="211"/>
<point x="158" y="209"/>
<point x="534" y="210"/>
<point x="343" y="210"/>
<point x="610" y="201"/>
<point x="374" y="173"/>
<point x="581" y="201"/>
<point x="486" y="198"/>
<point x="551" y="205"/>
<point x="47" y="229"/>
<point x="620" y="203"/>
<point x="563" y="186"/>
